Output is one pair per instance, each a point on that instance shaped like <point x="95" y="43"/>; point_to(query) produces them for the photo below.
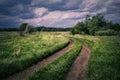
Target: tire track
<point x="79" y="67"/>
<point x="23" y="75"/>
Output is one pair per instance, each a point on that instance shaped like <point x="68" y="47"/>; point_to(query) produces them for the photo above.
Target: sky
<point x="55" y="13"/>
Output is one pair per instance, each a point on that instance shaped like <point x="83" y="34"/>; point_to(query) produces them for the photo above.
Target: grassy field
<point x="17" y="53"/>
<point x="58" y="69"/>
<point x="105" y="56"/>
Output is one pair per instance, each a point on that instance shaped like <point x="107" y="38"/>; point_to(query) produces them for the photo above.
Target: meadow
<point x="104" y="59"/>
<point x="18" y="53"/>
<point x="58" y="69"/>
<point x="104" y="62"/>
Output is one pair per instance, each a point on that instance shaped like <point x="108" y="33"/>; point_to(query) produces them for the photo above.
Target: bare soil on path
<point x="23" y="75"/>
<point x="79" y="67"/>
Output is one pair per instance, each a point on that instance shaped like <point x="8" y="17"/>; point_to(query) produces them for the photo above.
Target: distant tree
<point x="72" y="31"/>
<point x="30" y="29"/>
<point x="87" y="19"/>
<point x="96" y="23"/>
<point x="108" y="32"/>
<point x="80" y="28"/>
<point x="9" y="29"/>
<point x="26" y="28"/>
<point x="91" y="25"/>
<point x="43" y="28"/>
<point x="23" y="28"/>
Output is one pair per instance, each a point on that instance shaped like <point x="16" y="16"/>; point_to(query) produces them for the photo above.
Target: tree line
<point x="49" y="29"/>
<point x="26" y="28"/>
<point x="96" y="25"/>
<point x="9" y="29"/>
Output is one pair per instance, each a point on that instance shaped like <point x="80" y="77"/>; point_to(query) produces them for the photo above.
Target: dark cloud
<point x="10" y="3"/>
<point x="59" y="13"/>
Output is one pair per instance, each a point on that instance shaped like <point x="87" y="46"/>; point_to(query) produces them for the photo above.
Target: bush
<point x="108" y="32"/>
<point x="118" y="33"/>
<point x="26" y="28"/>
<point x="22" y="28"/>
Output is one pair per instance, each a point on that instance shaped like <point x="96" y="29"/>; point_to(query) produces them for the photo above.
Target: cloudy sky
<point x="55" y="13"/>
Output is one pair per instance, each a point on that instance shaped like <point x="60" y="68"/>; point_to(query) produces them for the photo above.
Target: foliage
<point x="79" y="28"/>
<point x="26" y="28"/>
<point x="51" y="29"/>
<point x="58" y="69"/>
<point x="8" y="29"/>
<point x="23" y="28"/>
<point x="95" y="24"/>
<point x="18" y="53"/>
<point x="108" y="32"/>
<point x="113" y="26"/>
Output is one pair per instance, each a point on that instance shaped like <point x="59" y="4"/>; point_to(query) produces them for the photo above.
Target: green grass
<point x="104" y="63"/>
<point x="18" y="53"/>
<point x="58" y="69"/>
<point x="89" y="42"/>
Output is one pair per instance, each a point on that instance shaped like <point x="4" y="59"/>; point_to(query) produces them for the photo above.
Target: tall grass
<point x="58" y="69"/>
<point x="18" y="53"/>
<point x="85" y="38"/>
<point x="104" y="63"/>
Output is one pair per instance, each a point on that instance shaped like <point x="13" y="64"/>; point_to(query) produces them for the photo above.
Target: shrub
<point x="23" y="28"/>
<point x="108" y="32"/>
<point x="26" y="28"/>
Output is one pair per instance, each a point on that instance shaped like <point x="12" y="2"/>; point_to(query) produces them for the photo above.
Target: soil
<point x="79" y="67"/>
<point x="23" y="75"/>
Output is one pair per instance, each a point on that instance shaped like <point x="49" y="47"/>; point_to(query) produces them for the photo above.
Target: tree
<point x="23" y="28"/>
<point x="30" y="29"/>
<point x="96" y="23"/>
<point x="26" y="28"/>
<point x="80" y="28"/>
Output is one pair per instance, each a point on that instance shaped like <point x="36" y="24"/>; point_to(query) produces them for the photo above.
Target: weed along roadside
<point x="29" y="71"/>
<point x="59" y="56"/>
<point x="32" y="48"/>
<point x="104" y="58"/>
<point x="104" y="63"/>
<point x="78" y="69"/>
<point x="58" y="69"/>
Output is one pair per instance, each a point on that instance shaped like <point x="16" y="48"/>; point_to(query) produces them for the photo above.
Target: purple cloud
<point x="56" y="13"/>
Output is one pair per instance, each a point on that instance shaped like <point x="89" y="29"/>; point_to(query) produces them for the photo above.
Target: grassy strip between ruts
<point x="21" y="64"/>
<point x="58" y="69"/>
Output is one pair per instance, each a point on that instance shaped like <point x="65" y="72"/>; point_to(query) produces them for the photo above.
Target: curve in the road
<point x="29" y="71"/>
<point x="78" y="69"/>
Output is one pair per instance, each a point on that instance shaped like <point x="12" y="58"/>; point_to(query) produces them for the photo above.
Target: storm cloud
<point x="55" y="13"/>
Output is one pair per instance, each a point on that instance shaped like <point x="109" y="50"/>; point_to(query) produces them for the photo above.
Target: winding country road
<point x="76" y="72"/>
<point x="78" y="69"/>
<point x="23" y="75"/>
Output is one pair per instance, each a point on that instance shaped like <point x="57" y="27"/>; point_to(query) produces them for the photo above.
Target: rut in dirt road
<point x="78" y="69"/>
<point x="29" y="71"/>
